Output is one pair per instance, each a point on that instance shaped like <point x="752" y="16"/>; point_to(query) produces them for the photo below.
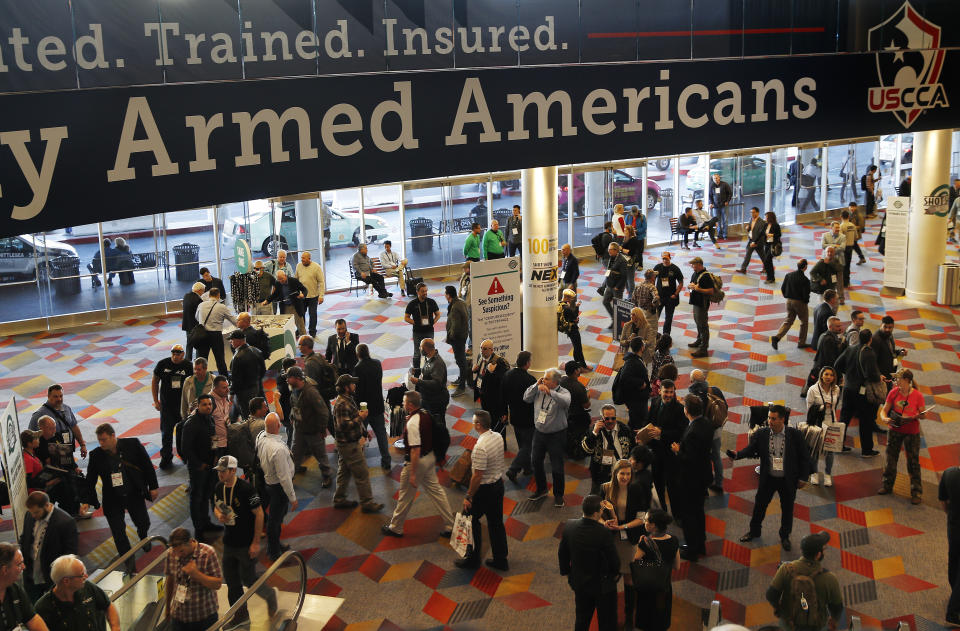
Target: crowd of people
<point x="654" y="455"/>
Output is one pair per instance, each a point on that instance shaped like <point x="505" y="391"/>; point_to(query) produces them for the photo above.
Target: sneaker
<point x="241" y="620"/>
<point x="884" y="491"/>
<point x="372" y="507"/>
<point x="498" y="564"/>
<point x="757" y="469"/>
<point x="702" y="352"/>
<point x="774" y="340"/>
<point x="814" y="479"/>
<point x="558" y="502"/>
<point x="512" y="475"/>
<point x="827" y="480"/>
<point x="870" y="454"/>
<point x="538" y="495"/>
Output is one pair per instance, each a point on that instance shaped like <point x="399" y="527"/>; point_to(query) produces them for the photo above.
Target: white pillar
<point x="592" y="198"/>
<point x="928" y="213"/>
<point x="539" y="264"/>
<point x="308" y="227"/>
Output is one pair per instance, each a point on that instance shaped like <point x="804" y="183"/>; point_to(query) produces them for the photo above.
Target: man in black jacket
<point x="514" y="384"/>
<point x="615" y="278"/>
<point x="635" y="384"/>
<point x="666" y="415"/>
<point x="488" y="378"/>
<point x="824" y="311"/>
<point x="290" y="293"/>
<point x="369" y="374"/>
<point x="693" y="460"/>
<point x="127" y="479"/>
<point x="784" y="465"/>
<point x="831" y="344"/>
<point x="858" y="366"/>
<point x="569" y="269"/>
<point x="796" y="289"/>
<point x="720" y="194"/>
<point x="198" y="436"/>
<point x="431" y="381"/>
<point x="342" y="349"/>
<point x="888" y="355"/>
<point x="191" y="300"/>
<point x="247" y="370"/>
<point x="608" y="442"/>
<point x="48" y="533"/>
<point x="589" y="561"/>
<point x="578" y="412"/>
<point x="756" y="230"/>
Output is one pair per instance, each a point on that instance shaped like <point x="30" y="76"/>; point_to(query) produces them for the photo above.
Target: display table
<point x="282" y="331"/>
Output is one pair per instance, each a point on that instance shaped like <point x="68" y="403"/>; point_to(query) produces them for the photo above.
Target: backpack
<point x="261" y="341"/>
<point x="563" y="325"/>
<point x="240" y="444"/>
<point x="718" y="294"/>
<point x="863" y="182"/>
<point x="716" y="410"/>
<point x="328" y="377"/>
<point x="395" y="398"/>
<point x="805" y="609"/>
<point x="597" y="243"/>
<point x="439" y="438"/>
<point x="617" y="389"/>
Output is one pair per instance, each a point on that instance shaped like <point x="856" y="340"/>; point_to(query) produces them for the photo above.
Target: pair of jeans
<point x="515" y="248"/>
<point x="459" y="348"/>
<point x="524" y="436"/>
<point x="378" y="425"/>
<point x="202" y="483"/>
<point x="311" y="308"/>
<point x="786" y="488"/>
<point x="240" y="570"/>
<point x="114" y="512"/>
<point x="278" y="505"/>
<point x="169" y="417"/>
<point x="716" y="458"/>
<point x="666" y="304"/>
<point x="417" y="338"/>
<point x="552" y="444"/>
<point x="721" y="217"/>
<point x="488" y="502"/>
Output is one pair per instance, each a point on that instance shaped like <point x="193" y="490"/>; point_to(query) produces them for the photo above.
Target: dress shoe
<point x="915" y="499"/>
<point x="385" y="529"/>
<point x="346" y="504"/>
<point x="802" y="346"/>
<point x="742" y="270"/>
<point x="774" y="340"/>
<point x="372" y="507"/>
<point x="870" y="454"/>
<point x="700" y="352"/>
<point x="786" y="545"/>
<point x="694" y="344"/>
<point x="386" y="465"/>
<point x="747" y="538"/>
<point x="538" y="495"/>
<point x="512" y="475"/>
<point x="166" y="463"/>
<point x="446" y="534"/>
<point x="498" y="564"/>
<point x="327" y="482"/>
<point x="467" y="563"/>
<point x="884" y="491"/>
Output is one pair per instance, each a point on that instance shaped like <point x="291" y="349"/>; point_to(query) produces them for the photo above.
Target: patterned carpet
<point x="888" y="555"/>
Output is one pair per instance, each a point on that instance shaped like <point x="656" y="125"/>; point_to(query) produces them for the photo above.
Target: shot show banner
<point x="496" y="305"/>
<point x="79" y="156"/>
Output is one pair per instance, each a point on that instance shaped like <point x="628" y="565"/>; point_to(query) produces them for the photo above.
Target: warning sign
<point x="495" y="287"/>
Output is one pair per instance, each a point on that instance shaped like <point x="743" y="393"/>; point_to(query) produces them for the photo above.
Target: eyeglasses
<point x="176" y="352"/>
<point x="609" y="418"/>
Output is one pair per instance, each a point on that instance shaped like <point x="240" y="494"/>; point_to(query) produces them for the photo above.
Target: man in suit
<point x="127" y="478"/>
<point x="784" y="465"/>
<point x="756" y="232"/>
<point x="720" y="194"/>
<point x="589" y="561"/>
<point x="569" y="269"/>
<point x="248" y="369"/>
<point x="692" y="454"/>
<point x="289" y="293"/>
<point x="369" y="374"/>
<point x="666" y="415"/>
<point x="514" y="384"/>
<point x="191" y="300"/>
<point x="48" y="533"/>
<point x="824" y="311"/>
<point x="342" y="349"/>
<point x="488" y="374"/>
<point x="615" y="278"/>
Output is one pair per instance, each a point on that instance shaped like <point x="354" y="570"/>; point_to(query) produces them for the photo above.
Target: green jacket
<point x="492" y="243"/>
<point x="471" y="247"/>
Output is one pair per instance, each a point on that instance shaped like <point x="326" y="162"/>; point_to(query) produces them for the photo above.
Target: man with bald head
<point x="277" y="465"/>
<point x="75" y="602"/>
<point x="265" y="282"/>
<point x="431" y="380"/>
<point x="493" y="242"/>
<point x="311" y="276"/>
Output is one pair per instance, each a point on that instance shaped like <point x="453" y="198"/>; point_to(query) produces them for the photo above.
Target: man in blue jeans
<point x="700" y="387"/>
<point x="278" y="470"/>
<point x="550" y="404"/>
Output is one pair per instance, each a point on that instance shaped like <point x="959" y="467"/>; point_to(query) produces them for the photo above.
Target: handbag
<point x="650" y="575"/>
<point x="875" y="391"/>
<point x="462" y="538"/>
<point x="198" y="334"/>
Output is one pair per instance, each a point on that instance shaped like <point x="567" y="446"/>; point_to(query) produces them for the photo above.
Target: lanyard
<point x="232" y="490"/>
<point x="773" y="452"/>
<point x="833" y="416"/>
<point x="421" y="306"/>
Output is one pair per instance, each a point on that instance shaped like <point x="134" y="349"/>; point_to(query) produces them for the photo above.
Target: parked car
<point x="627" y="190"/>
<point x="344" y="229"/>
<point x="751" y="178"/>
<point x="20" y="255"/>
<point x="888" y="148"/>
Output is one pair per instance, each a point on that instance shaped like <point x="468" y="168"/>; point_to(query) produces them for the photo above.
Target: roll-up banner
<point x="496" y="305"/>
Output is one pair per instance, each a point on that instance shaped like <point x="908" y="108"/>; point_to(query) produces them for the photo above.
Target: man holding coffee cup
<point x="351" y="435"/>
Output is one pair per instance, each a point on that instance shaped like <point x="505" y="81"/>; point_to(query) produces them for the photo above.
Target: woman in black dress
<point x="654" y="606"/>
<point x="772" y="241"/>
<point x="570" y="324"/>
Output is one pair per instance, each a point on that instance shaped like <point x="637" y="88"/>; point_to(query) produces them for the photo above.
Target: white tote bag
<point x="462" y="539"/>
<point x="833" y="439"/>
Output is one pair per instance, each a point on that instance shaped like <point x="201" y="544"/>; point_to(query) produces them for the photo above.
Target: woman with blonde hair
<point x="568" y="321"/>
<point x="902" y="413"/>
<point x="619" y="223"/>
<point x="632" y="249"/>
<point x="823" y="405"/>
<point x="623" y="516"/>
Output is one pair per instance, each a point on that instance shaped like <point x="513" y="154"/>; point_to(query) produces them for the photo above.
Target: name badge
<point x="623" y="535"/>
<point x="542" y="417"/>
<point x="116" y="479"/>
<point x="181" y="595"/>
<point x="833" y="278"/>
<point x="479" y="382"/>
<point x="66" y="437"/>
<point x="663" y="282"/>
<point x="863" y="389"/>
<point x="515" y="232"/>
<point x="175" y="383"/>
<point x="606" y="273"/>
<point x="778" y="464"/>
<point x="425" y="321"/>
<point x="606" y="457"/>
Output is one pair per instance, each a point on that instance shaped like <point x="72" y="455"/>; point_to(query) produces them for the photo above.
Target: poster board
<point x="496" y="305"/>
<point x="16" y="474"/>
<point x="897" y="237"/>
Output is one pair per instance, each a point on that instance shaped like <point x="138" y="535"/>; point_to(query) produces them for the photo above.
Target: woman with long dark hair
<point x="771" y="244"/>
<point x="823" y="405"/>
<point x="656" y="605"/>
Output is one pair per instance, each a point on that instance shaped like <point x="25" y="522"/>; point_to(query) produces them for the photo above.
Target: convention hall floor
<point x="890" y="556"/>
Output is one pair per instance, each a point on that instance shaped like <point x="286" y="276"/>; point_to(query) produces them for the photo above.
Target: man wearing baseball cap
<point x="351" y="434"/>
<point x="238" y="507"/>
<point x="804" y="595"/>
<point x="169" y="375"/>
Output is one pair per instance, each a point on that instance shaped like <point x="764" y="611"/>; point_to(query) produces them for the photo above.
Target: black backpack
<point x="617" y="390"/>
<point x="260" y="341"/>
<point x="863" y="182"/>
<point x="439" y="437"/>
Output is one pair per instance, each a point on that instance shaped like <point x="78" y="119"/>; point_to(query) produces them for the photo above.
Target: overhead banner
<point x="81" y="156"/>
<point x="896" y="235"/>
<point x="496" y="305"/>
<point x="16" y="474"/>
<point x="55" y="44"/>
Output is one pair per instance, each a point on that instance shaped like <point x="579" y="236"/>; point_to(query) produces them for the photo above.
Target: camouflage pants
<point x="911" y="444"/>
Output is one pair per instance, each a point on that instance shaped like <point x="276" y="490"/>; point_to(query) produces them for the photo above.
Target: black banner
<point x="74" y="157"/>
<point x="61" y="44"/>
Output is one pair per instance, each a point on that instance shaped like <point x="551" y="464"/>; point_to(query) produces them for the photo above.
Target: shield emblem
<point x="904" y="57"/>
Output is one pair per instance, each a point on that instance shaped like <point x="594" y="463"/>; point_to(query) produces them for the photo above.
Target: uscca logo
<point x="938" y="202"/>
<point x="908" y="65"/>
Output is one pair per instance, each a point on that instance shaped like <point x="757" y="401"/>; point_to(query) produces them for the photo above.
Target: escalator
<point x="140" y="602"/>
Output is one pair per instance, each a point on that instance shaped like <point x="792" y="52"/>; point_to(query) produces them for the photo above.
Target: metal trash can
<point x="948" y="284"/>
<point x="65" y="274"/>
<point x="423" y="228"/>
<point x="666" y="201"/>
<point x="186" y="257"/>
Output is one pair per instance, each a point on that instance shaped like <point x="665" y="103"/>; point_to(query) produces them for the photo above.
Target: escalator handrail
<point x="128" y="555"/>
<point x="139" y="575"/>
<point x="250" y="591"/>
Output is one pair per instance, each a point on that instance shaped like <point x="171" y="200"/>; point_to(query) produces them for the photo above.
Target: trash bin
<point x="65" y="274"/>
<point x="186" y="257"/>
<point x="666" y="201"/>
<point x="948" y="284"/>
<point x="423" y="228"/>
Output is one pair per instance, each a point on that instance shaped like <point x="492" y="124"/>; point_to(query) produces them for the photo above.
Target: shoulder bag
<point x="650" y="575"/>
<point x="198" y="334"/>
<point x="875" y="391"/>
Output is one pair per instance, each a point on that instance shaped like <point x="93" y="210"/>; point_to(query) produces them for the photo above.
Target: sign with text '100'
<point x="496" y="305"/>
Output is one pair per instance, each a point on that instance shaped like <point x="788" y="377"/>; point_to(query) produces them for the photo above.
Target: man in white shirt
<point x="211" y="314"/>
<point x="311" y="276"/>
<point x="420" y="467"/>
<point x="485" y="495"/>
<point x="393" y="265"/>
<point x="278" y="469"/>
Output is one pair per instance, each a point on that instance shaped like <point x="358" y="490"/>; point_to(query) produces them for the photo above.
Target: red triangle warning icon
<point x="495" y="287"/>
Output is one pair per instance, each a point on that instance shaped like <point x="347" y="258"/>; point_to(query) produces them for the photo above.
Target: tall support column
<point x="539" y="203"/>
<point x="928" y="213"/>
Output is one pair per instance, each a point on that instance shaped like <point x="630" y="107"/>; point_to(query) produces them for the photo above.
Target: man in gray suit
<point x="755" y="237"/>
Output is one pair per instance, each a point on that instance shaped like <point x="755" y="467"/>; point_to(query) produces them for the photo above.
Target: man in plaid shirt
<point x="351" y="437"/>
<point x="193" y="577"/>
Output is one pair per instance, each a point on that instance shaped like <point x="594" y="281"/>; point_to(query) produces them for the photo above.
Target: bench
<point x="356" y="284"/>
